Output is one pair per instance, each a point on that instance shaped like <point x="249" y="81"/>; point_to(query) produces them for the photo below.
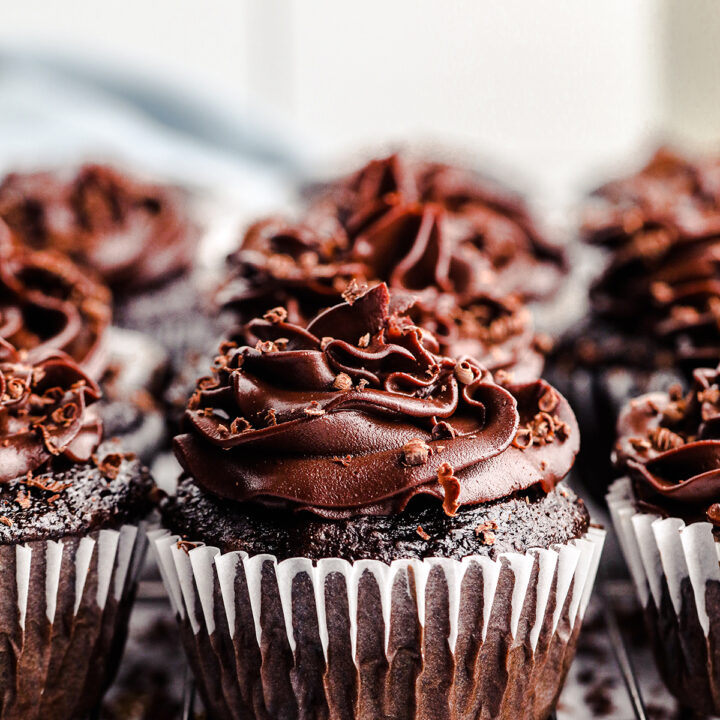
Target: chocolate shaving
<point x="276" y="315"/>
<point x="451" y="485"/>
<point x="353" y="291"/>
<point x="422" y="533"/>
<point x="416" y="452"/>
<point x="342" y="382"/>
<point x="110" y="465"/>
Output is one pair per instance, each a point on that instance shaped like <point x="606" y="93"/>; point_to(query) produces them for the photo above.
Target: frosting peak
<point x="357" y="413"/>
<point x="670" y="445"/>
<point x="44" y="413"/>
<point x="132" y="233"/>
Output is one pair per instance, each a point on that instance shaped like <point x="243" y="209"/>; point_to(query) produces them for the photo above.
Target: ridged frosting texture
<point x="357" y="413"/>
<point x="669" y="443"/>
<point x="469" y="250"/>
<point x="45" y="414"/>
<point x="662" y="227"/>
<point x="48" y="303"/>
<point x="133" y="233"/>
<point x="468" y="234"/>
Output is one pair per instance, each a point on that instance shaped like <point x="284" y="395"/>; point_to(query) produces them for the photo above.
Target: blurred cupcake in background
<point x="48" y="303"/>
<point x="467" y="250"/>
<point x="655" y="309"/>
<point x="666" y="512"/>
<point x="71" y="539"/>
<point x="366" y="528"/>
<point x="138" y="237"/>
<point x="463" y="232"/>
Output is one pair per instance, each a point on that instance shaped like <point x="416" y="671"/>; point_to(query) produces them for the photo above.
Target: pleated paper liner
<point x="64" y="610"/>
<point x="676" y="571"/>
<point x="415" y="639"/>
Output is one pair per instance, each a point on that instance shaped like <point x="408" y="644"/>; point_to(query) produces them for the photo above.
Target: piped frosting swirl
<point x="669" y="443"/>
<point x="357" y="413"/>
<point x="662" y="226"/>
<point x="45" y="414"/>
<point x="469" y="251"/>
<point x="48" y="303"/>
<point x="134" y="234"/>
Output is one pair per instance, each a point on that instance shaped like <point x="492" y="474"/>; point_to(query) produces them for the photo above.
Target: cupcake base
<point x="416" y="639"/>
<point x="64" y="611"/>
<point x="676" y="571"/>
<point x="528" y="519"/>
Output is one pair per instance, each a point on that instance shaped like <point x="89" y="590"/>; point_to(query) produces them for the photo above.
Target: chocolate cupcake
<point x="71" y="540"/>
<point x="366" y="528"/>
<point x="477" y="235"/>
<point x="666" y="512"/>
<point x="137" y="236"/>
<point x="655" y="308"/>
<point x="414" y="248"/>
<point x="47" y="303"/>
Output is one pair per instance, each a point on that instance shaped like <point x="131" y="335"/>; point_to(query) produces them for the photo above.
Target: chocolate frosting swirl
<point x="357" y="414"/>
<point x="134" y="234"/>
<point x="670" y="446"/>
<point x="45" y="413"/>
<point x="48" y="303"/>
<point x="305" y="271"/>
<point x="663" y="278"/>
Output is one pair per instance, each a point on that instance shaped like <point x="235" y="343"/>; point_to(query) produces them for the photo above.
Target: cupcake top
<point x="48" y="303"/>
<point x="45" y="414"/>
<point x="669" y="443"/>
<point x="419" y="223"/>
<point x="306" y="269"/>
<point x="56" y="478"/>
<point x="357" y="413"/>
<point x="662" y="227"/>
<point x="134" y="234"/>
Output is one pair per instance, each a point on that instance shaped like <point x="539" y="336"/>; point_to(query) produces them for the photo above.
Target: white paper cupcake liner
<point x="676" y="570"/>
<point x="438" y="638"/>
<point x="64" y="608"/>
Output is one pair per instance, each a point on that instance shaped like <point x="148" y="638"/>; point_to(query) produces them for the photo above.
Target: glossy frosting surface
<point x="45" y="414"/>
<point x="357" y="413"/>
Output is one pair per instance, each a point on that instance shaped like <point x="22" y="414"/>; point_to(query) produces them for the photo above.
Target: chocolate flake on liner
<point x="402" y="392"/>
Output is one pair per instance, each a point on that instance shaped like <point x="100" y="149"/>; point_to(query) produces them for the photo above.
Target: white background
<point x="557" y="91"/>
